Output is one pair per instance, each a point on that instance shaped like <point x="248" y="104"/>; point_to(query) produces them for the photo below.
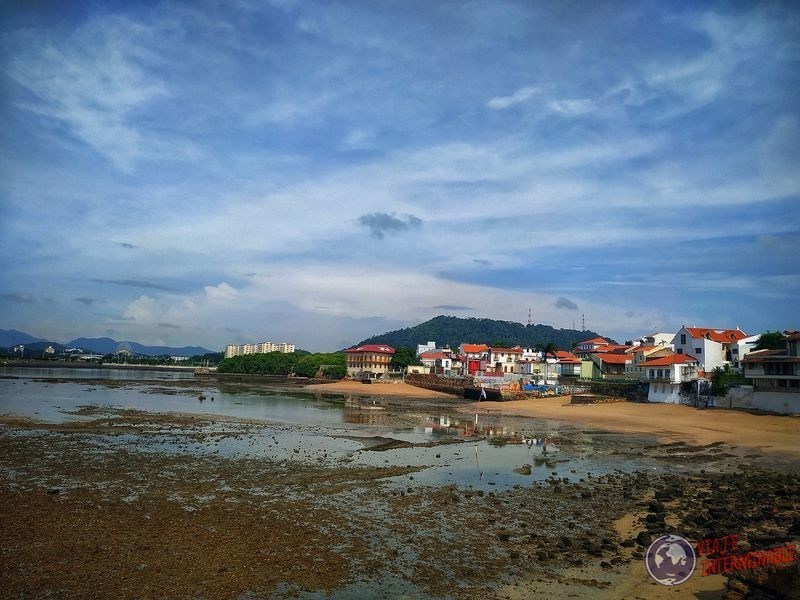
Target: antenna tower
<point x="583" y="322"/>
<point x="529" y="316"/>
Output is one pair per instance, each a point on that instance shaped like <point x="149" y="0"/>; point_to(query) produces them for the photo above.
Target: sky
<point x="214" y="172"/>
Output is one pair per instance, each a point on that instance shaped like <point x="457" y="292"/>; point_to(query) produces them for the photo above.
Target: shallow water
<point x="492" y="453"/>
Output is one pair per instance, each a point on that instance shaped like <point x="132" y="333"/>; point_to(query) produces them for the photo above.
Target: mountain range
<point x="102" y="345"/>
<point x="452" y="331"/>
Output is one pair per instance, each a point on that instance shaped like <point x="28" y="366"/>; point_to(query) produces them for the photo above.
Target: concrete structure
<point x="657" y="339"/>
<point x="370" y="361"/>
<point x="667" y="373"/>
<point x="259" y="348"/>
<point x="776" y="377"/>
<point x="711" y="347"/>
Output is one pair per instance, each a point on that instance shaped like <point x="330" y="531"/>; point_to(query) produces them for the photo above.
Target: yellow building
<point x="368" y="362"/>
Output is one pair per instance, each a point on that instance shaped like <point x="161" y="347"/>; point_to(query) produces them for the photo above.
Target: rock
<point x="656" y="506"/>
<point x="54" y="491"/>
<point x="643" y="539"/>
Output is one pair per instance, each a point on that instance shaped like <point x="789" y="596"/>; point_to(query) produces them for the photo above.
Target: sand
<point x="669" y="422"/>
<point x="376" y="389"/>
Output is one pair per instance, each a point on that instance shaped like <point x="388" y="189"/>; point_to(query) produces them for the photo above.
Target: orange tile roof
<point x="718" y="335"/>
<point x="665" y="361"/>
<point x="641" y="348"/>
<point x="597" y="340"/>
<point x="507" y="350"/>
<point x="474" y="348"/>
<point x="373" y="348"/>
<point x="613" y="359"/>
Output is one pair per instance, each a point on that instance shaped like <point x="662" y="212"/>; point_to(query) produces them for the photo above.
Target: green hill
<point x="452" y="331"/>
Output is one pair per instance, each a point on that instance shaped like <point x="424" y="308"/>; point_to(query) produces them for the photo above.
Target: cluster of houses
<point x="675" y="365"/>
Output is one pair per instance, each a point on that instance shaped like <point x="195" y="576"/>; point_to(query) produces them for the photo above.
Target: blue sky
<point x="215" y="172"/>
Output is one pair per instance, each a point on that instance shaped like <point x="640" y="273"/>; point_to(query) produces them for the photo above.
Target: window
<point x="698" y="350"/>
<point x="652" y="373"/>
<point x="680" y="350"/>
<point x="683" y="338"/>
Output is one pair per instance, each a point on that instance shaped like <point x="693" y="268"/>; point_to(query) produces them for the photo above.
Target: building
<point x="370" y="361"/>
<point x="666" y="374"/>
<point x="611" y="365"/>
<point x="502" y="360"/>
<point x="740" y="349"/>
<point x="642" y="353"/>
<point x="776" y="377"/>
<point x="425" y="347"/>
<point x="711" y="347"/>
<point x="471" y="356"/>
<point x="587" y="347"/>
<point x="438" y="361"/>
<point x="568" y="365"/>
<point x="259" y="348"/>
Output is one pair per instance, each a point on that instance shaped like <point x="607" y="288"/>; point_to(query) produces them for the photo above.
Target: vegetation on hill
<point x="452" y="331"/>
<point x="331" y="365"/>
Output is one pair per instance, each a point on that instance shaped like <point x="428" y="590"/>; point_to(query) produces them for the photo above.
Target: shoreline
<point x="774" y="434"/>
<point x="394" y="389"/>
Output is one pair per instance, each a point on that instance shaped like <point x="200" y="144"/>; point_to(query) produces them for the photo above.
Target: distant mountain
<point x="106" y="345"/>
<point x="12" y="337"/>
<point x="102" y="345"/>
<point x="452" y="331"/>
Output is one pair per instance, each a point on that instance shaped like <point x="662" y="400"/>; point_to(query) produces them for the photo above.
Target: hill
<point x="452" y="331"/>
<point x="12" y="337"/>
<point x="102" y="345"/>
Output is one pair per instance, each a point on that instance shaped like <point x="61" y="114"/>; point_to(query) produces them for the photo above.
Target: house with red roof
<point x="471" y="356"/>
<point x="666" y="374"/>
<point x="439" y="361"/>
<point x="642" y="353"/>
<point x="370" y="361"/>
<point x="711" y="347"/>
<point x="567" y="364"/>
<point x="585" y="348"/>
<point x="611" y="365"/>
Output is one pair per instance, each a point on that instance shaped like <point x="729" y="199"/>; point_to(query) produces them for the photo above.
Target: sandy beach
<point x="669" y="422"/>
<point x="376" y="389"/>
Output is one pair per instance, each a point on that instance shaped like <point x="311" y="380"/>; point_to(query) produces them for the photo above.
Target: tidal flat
<point x="140" y="489"/>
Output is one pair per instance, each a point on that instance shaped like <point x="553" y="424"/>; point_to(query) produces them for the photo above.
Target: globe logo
<point x="670" y="560"/>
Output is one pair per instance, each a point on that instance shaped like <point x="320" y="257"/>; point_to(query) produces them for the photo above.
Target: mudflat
<point x="116" y="502"/>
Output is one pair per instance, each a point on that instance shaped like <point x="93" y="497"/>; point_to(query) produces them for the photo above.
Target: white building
<point x="503" y="360"/>
<point x="711" y="347"/>
<point x="259" y="348"/>
<point x="666" y="374"/>
<point x="425" y="347"/>
<point x="776" y="377"/>
<point x="742" y="348"/>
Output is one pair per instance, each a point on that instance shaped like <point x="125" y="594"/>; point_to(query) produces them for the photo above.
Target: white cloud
<point x="523" y="94"/>
<point x="572" y="107"/>
<point x="143" y="309"/>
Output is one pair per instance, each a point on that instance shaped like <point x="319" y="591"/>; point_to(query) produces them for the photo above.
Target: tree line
<point x="330" y="365"/>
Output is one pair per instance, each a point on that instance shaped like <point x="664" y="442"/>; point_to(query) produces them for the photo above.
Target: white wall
<point x="664" y="392"/>
<point x="744" y="397"/>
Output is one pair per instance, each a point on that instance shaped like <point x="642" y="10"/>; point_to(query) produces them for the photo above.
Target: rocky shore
<point x="103" y="508"/>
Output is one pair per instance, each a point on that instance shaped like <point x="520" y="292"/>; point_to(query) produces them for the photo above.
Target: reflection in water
<point x="494" y="431"/>
<point x="363" y="412"/>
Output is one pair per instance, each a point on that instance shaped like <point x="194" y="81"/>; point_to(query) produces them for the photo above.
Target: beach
<point x="774" y="434"/>
<point x="126" y="490"/>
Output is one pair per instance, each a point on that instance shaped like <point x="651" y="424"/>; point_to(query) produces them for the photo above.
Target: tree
<point x="403" y="357"/>
<point x="771" y="340"/>
<point x="550" y="349"/>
